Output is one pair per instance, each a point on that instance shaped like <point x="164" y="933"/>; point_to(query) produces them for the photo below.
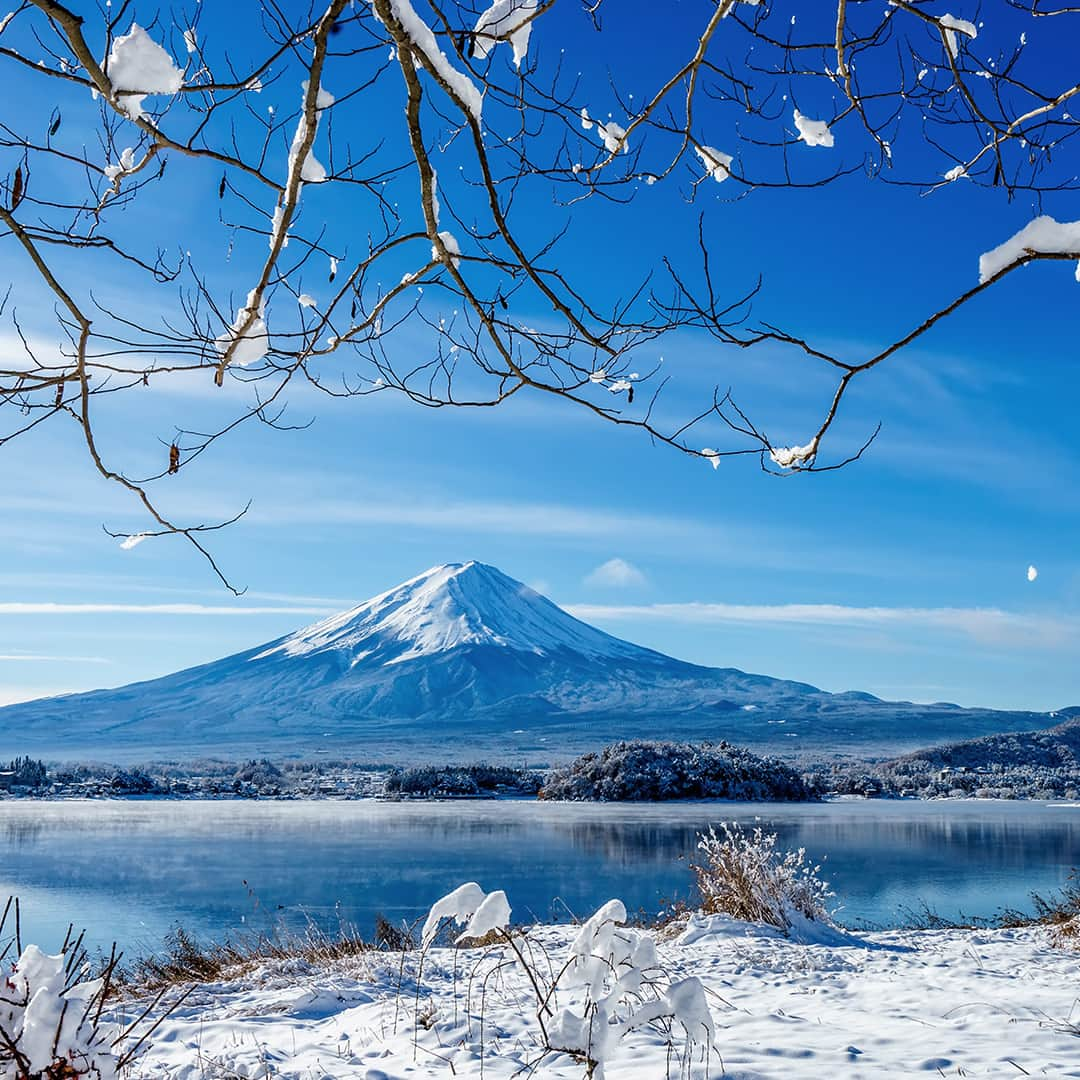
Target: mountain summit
<point x="465" y="662"/>
<point x="450" y="607"/>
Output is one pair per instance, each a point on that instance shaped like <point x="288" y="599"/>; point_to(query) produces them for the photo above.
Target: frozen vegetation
<point x="643" y="771"/>
<point x="1022" y="765"/>
<point x="250" y="779"/>
<point x="462" y="781"/>
<point x="1041" y="764"/>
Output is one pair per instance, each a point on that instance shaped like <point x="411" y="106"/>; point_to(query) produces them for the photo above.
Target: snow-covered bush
<point x="617" y="968"/>
<point x="49" y="1021"/>
<point x="743" y="875"/>
<point x="609" y="980"/>
<point x="461" y="780"/>
<point x="640" y="770"/>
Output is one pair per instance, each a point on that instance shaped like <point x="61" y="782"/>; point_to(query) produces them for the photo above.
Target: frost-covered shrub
<point x="49" y="1022"/>
<point x="646" y="771"/>
<point x="26" y="772"/>
<point x="742" y="875"/>
<point x="618" y="970"/>
<point x="1041" y="764"/>
<point x="610" y="980"/>
<point x="135" y="781"/>
<point x="260" y="774"/>
<point x="461" y="780"/>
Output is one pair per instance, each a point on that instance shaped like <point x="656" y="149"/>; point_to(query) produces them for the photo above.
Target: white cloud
<point x="985" y="624"/>
<point x="17" y="658"/>
<point x="48" y="608"/>
<point x="616" y="573"/>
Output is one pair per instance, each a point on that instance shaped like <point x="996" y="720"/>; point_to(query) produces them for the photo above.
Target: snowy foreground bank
<point x="954" y="1003"/>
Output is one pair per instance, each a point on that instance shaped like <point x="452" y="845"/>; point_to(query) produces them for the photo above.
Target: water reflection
<point x="131" y="870"/>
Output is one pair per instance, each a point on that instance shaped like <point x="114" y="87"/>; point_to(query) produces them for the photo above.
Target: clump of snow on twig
<point x="618" y="968"/>
<point x="251" y="345"/>
<point x="611" y="976"/>
<point x="951" y="26"/>
<point x="813" y="132"/>
<point x="717" y="163"/>
<point x="453" y="249"/>
<point x="138" y="63"/>
<point x="469" y="906"/>
<point x="711" y="455"/>
<point x="127" y="163"/>
<point x="505" y="20"/>
<point x="790" y="457"/>
<point x="134" y="540"/>
<point x="46" y="1025"/>
<point x="1044" y="236"/>
<point x="191" y="42"/>
<point x="311" y="170"/>
<point x="1032" y="573"/>
<point x="611" y="134"/>
<point x="421" y="35"/>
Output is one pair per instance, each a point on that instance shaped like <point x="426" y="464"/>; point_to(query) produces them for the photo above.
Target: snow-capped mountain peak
<point x="464" y="663"/>
<point x="447" y="607"/>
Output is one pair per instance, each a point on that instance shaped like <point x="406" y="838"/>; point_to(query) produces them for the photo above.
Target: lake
<point x="130" y="871"/>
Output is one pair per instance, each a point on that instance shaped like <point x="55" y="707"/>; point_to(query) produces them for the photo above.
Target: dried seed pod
<point x="18" y="187"/>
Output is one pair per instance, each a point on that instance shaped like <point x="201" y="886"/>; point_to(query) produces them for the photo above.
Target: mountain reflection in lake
<point x="132" y="870"/>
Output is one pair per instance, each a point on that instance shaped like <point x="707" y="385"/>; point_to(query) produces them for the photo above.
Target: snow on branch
<point x="1043" y="236"/>
<point x="138" y="63"/>
<point x="505" y="20"/>
<point x="481" y="306"/>
<point x="427" y="47"/>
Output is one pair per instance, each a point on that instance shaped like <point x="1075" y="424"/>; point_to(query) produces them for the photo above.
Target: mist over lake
<point x="132" y="870"/>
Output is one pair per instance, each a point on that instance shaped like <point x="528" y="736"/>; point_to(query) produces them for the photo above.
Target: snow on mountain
<point x="448" y="607"/>
<point x="464" y="662"/>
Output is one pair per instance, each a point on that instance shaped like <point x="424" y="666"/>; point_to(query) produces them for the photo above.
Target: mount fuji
<point x="464" y="662"/>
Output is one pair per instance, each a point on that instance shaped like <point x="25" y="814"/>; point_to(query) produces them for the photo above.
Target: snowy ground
<point x="949" y="1003"/>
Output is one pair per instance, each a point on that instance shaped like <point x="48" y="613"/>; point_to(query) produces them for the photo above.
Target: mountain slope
<point x="1055" y="747"/>
<point x="463" y="661"/>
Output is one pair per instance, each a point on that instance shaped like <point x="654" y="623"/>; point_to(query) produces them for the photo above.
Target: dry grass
<point x="743" y="875"/>
<point x="1060" y="912"/>
<point x="185" y="959"/>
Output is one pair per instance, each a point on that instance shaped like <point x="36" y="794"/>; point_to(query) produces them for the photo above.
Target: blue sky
<point x="903" y="574"/>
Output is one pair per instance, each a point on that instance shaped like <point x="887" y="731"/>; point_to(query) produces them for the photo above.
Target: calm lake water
<point x="130" y="871"/>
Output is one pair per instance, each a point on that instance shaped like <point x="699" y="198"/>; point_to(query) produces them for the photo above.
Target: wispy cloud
<point x="466" y="515"/>
<point x="48" y="608"/>
<point x="991" y="625"/>
<point x="10" y="695"/>
<point x="616" y="573"/>
<point x="38" y="658"/>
